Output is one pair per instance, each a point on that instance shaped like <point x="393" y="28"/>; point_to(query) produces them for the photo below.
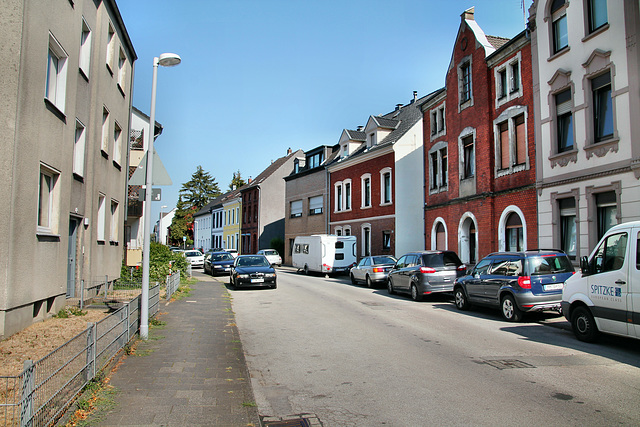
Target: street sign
<point x="156" y="194"/>
<point x="160" y="174"/>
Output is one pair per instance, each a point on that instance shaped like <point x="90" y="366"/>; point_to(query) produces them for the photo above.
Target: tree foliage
<point x="161" y="261"/>
<point x="236" y="181"/>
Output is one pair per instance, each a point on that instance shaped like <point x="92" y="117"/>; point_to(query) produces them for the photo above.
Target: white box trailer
<point x="324" y="253"/>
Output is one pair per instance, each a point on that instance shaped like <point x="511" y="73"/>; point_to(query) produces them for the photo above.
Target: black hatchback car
<point x="515" y="282"/>
<point x="252" y="270"/>
<point x="425" y="272"/>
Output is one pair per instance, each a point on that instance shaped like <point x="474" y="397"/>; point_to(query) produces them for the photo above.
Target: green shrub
<point x="161" y="261"/>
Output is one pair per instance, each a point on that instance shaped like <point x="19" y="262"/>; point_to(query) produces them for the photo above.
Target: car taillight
<point x="326" y="267"/>
<point x="427" y="270"/>
<point x="462" y="267"/>
<point x="378" y="270"/>
<point x="524" y="282"/>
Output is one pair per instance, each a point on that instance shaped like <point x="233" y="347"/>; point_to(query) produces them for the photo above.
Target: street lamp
<point x="166" y="60"/>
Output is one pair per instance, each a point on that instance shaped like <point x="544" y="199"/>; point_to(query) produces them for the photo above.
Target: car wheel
<point x="510" y="310"/>
<point x="274" y="286"/>
<point x="390" y="287"/>
<point x="415" y="295"/>
<point x="353" y="279"/>
<point x="461" y="301"/>
<point x="306" y="269"/>
<point x="584" y="325"/>
<point x="369" y="284"/>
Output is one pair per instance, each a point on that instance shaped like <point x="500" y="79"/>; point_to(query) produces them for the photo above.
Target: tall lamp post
<point x="166" y="60"/>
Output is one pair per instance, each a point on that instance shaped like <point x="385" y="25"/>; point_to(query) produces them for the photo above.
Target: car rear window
<point x="445" y="259"/>
<point x="383" y="260"/>
<point x="549" y="264"/>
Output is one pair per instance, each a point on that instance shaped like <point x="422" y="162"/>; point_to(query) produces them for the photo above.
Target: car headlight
<point x="243" y="276"/>
<point x="270" y="275"/>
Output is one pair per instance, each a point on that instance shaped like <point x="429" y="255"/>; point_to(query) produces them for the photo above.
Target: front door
<point x="71" y="265"/>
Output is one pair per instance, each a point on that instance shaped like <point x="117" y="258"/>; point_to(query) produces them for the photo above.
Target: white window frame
<point x="104" y="146"/>
<point x="438" y="122"/>
<point x="102" y="217"/>
<point x="295" y="209"/>
<point x="363" y="193"/>
<point x="461" y="158"/>
<point x="468" y="102"/>
<point x="85" y="49"/>
<point x="365" y="242"/>
<point x="79" y="148"/>
<point x="442" y="184"/>
<point x="383" y="189"/>
<point x="48" y="225"/>
<point x="122" y="70"/>
<point x="509" y="116"/>
<point x="337" y="197"/>
<point x="348" y="198"/>
<point x="111" y="43"/>
<point x="115" y="222"/>
<point x="117" y="143"/>
<point x="56" y="81"/>
<point x="502" y="226"/>
<point x="507" y="68"/>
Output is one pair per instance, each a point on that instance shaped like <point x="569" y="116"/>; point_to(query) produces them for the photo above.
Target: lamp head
<point x="169" y="59"/>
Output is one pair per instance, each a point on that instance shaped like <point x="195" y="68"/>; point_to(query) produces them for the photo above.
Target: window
<point x="338" y="197"/>
<point x="435" y="178"/>
<point x="610" y="254"/>
<point x="438" y="169"/>
<point x="347" y="230"/>
<point x="511" y="142"/>
<point x="514" y="239"/>
<point x="113" y="237"/>
<point x="79" y="149"/>
<point x="559" y="26"/>
<point x="602" y="107"/>
<point x="366" y="240"/>
<point x="515" y="77"/>
<point x="437" y="121"/>
<point x="434" y="122"/>
<point x="47" y="200"/>
<point x="315" y="160"/>
<point x="521" y="140"/>
<point x="347" y="195"/>
<point x="122" y="67"/>
<point x="502" y="83"/>
<point x="105" y="130"/>
<point x="441" y="237"/>
<point x="315" y="205"/>
<point x="564" y="118"/>
<point x="366" y="190"/>
<point x="102" y="217"/>
<point x="386" y="240"/>
<point x="296" y="209"/>
<point x="117" y="143"/>
<point x="597" y="14"/>
<point x="567" y="208"/>
<point x="85" y="49"/>
<point x="503" y="129"/>
<point x="56" y="85"/>
<point x="469" y="159"/>
<point x="465" y="82"/>
<point x="111" y="42"/>
<point x="507" y="80"/>
<point x="607" y="211"/>
<point x="385" y="184"/>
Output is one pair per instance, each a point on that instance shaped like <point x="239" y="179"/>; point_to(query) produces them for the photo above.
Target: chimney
<point x="360" y="128"/>
<point x="398" y="106"/>
<point x="468" y="14"/>
<point x="415" y="95"/>
<point x="249" y="180"/>
<point x="288" y="151"/>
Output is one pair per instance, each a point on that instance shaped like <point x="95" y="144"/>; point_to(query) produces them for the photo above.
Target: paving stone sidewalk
<point x="192" y="371"/>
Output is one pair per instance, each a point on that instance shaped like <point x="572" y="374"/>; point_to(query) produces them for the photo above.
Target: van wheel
<point x="584" y="325"/>
<point x="369" y="284"/>
<point x="461" y="301"/>
<point x="390" y="287"/>
<point x="353" y="279"/>
<point x="306" y="269"/>
<point x="510" y="310"/>
<point x="415" y="295"/>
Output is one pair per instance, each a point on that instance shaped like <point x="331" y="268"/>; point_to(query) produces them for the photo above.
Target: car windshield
<point x="550" y="264"/>
<point x="192" y="253"/>
<point x="253" y="261"/>
<point x="270" y="252"/>
<point x="383" y="260"/>
<point x="221" y="257"/>
<point x="443" y="259"/>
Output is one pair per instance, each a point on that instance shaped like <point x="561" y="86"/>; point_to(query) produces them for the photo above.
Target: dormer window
<point x="372" y="139"/>
<point x="345" y="150"/>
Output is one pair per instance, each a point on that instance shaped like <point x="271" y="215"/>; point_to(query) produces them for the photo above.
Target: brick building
<point x="479" y="151"/>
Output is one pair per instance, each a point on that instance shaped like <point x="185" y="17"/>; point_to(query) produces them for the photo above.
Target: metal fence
<point x="173" y="282"/>
<point x="45" y="388"/>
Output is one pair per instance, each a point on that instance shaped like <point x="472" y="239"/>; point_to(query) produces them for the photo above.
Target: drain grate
<point x="302" y="420"/>
<point x="508" y="364"/>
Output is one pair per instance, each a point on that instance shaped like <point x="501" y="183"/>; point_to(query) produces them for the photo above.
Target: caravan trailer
<point x="324" y="253"/>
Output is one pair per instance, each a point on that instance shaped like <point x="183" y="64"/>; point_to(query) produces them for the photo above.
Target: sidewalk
<point x="191" y="371"/>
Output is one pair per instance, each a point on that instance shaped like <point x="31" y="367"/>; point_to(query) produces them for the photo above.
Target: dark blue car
<point x="218" y="263"/>
<point x="252" y="271"/>
<point x="515" y="282"/>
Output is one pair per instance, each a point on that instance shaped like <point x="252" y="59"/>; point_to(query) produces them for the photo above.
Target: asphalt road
<point x="360" y="357"/>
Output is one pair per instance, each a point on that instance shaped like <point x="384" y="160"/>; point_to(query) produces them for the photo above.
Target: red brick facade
<point x="249" y="227"/>
<point x="493" y="207"/>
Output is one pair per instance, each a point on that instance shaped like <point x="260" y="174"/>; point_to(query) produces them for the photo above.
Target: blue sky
<point x="260" y="76"/>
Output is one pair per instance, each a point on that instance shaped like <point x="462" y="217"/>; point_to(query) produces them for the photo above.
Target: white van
<point x="605" y="296"/>
<point x="324" y="253"/>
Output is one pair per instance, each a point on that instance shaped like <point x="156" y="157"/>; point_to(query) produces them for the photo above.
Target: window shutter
<point x="521" y="141"/>
<point x="504" y="145"/>
<point x="296" y="208"/>
<point x="314" y="203"/>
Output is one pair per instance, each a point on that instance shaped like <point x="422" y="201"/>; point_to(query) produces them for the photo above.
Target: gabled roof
<point x="274" y="166"/>
<point x="497" y="42"/>
<point x="385" y="122"/>
<point x="213" y="204"/>
<point x="356" y="135"/>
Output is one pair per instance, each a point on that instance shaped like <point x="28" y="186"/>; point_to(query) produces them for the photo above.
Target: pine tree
<point x="236" y="181"/>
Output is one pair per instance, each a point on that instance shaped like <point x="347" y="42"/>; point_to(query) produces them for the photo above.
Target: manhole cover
<point x="303" y="420"/>
<point x="508" y="364"/>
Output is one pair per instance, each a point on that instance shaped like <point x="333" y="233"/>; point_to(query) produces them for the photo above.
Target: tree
<point x="236" y="181"/>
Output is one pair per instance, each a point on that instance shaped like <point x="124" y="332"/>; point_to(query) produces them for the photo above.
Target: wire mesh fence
<point x="45" y="388"/>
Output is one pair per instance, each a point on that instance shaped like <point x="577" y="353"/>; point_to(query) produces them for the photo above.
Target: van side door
<point x="634" y="282"/>
<point x="608" y="283"/>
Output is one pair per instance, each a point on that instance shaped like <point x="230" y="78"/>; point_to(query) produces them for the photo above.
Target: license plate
<point x="552" y="287"/>
<point x="257" y="280"/>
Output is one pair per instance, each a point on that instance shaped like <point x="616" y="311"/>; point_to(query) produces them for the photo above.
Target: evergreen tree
<point x="237" y="181"/>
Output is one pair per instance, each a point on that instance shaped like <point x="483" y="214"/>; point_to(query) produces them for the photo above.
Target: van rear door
<point x="608" y="283"/>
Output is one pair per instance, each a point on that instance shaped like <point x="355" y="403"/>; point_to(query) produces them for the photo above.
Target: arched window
<point x="514" y="233"/>
<point x="441" y="237"/>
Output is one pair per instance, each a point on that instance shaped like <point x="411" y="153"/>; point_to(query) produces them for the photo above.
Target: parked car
<point x="252" y="270"/>
<point x="272" y="255"/>
<point x="218" y="263"/>
<point x="195" y="258"/>
<point x="233" y="252"/>
<point x="425" y="272"/>
<point x="515" y="282"/>
<point x="372" y="270"/>
<point x="605" y="295"/>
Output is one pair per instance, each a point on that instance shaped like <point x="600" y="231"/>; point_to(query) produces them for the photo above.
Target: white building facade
<point x="586" y="98"/>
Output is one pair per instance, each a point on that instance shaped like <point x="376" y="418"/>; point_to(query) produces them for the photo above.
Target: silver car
<point x="372" y="270"/>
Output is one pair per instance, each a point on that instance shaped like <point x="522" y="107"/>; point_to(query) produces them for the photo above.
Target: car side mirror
<point x="584" y="266"/>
